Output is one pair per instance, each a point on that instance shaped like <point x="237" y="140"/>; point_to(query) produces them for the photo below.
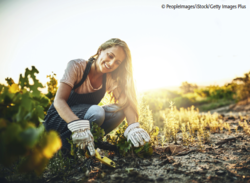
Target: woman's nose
<point x="112" y="62"/>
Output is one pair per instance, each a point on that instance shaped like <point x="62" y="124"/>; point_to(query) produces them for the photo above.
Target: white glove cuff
<point x="78" y="125"/>
<point x="130" y="127"/>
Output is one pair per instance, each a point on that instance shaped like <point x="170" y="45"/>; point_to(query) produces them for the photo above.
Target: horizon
<point x="171" y="88"/>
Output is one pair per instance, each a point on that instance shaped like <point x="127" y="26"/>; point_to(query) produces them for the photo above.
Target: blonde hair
<point x="123" y="75"/>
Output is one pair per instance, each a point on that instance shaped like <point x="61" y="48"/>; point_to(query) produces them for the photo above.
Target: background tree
<point x="188" y="87"/>
<point x="243" y="86"/>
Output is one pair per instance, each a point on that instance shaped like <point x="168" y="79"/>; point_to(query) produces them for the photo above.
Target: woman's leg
<point x="100" y="115"/>
<point x="95" y="114"/>
<point x="55" y="122"/>
<point x="112" y="120"/>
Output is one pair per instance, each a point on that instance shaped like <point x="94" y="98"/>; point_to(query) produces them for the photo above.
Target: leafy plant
<point x="126" y="148"/>
<point x="97" y="132"/>
<point x="21" y="132"/>
<point x="52" y="85"/>
<point x="214" y="93"/>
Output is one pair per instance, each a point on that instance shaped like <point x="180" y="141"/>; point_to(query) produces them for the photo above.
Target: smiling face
<point x="110" y="59"/>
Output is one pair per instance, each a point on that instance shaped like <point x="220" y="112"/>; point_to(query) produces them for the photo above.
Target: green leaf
<point x="98" y="132"/>
<point x="31" y="135"/>
<point x="39" y="111"/>
<point x="150" y="151"/>
<point x="10" y="81"/>
<point x="40" y="120"/>
<point x="43" y="100"/>
<point x="20" y="115"/>
<point x="26" y="102"/>
<point x="24" y="81"/>
<point x="137" y="150"/>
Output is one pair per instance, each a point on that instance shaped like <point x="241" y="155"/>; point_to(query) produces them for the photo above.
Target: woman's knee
<point x="112" y="108"/>
<point x="112" y="111"/>
<point x="112" y="117"/>
<point x="95" y="114"/>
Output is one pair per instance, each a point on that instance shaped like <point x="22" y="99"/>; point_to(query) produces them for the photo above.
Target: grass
<point x="213" y="105"/>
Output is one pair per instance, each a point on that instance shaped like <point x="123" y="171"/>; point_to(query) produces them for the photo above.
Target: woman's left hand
<point x="136" y="134"/>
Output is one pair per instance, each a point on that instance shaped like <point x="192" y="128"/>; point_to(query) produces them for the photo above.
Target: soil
<point x="225" y="158"/>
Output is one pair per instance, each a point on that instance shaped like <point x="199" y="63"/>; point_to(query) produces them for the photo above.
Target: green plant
<point x="126" y="148"/>
<point x="214" y="93"/>
<point x="98" y="132"/>
<point x="52" y="86"/>
<point x="21" y="132"/>
<point x="182" y="102"/>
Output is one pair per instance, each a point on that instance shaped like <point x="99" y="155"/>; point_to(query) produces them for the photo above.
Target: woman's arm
<point x="133" y="132"/>
<point x="60" y="103"/>
<point x="130" y="115"/>
<point x="79" y="137"/>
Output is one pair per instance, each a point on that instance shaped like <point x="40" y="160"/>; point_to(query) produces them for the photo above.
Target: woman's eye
<point x="110" y="56"/>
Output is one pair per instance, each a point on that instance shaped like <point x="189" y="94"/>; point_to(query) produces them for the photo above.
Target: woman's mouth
<point x="106" y="65"/>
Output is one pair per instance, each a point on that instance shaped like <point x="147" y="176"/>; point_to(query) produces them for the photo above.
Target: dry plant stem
<point x="192" y="124"/>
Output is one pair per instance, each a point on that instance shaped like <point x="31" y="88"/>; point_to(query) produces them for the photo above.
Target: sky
<point x="168" y="46"/>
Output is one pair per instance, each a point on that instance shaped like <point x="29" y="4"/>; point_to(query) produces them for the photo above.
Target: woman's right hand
<point x="82" y="135"/>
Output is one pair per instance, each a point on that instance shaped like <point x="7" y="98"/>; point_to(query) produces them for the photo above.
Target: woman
<point x="83" y="86"/>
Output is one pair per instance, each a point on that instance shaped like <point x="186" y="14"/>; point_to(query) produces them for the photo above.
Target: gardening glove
<point x="136" y="134"/>
<point x="82" y="135"/>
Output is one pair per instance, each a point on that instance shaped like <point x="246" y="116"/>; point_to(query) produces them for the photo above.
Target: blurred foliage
<point x="9" y="81"/>
<point x="192" y="125"/>
<point x="21" y="132"/>
<point x="242" y="86"/>
<point x="204" y="98"/>
<point x="217" y="92"/>
<point x="182" y="102"/>
<point x="213" y="105"/>
<point x="52" y="86"/>
<point x="188" y="87"/>
<point x="159" y="99"/>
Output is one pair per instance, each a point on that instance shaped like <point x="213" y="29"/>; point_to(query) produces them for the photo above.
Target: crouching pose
<point x="82" y="87"/>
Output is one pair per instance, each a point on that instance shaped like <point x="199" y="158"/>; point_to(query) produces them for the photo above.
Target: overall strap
<point x="86" y="72"/>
